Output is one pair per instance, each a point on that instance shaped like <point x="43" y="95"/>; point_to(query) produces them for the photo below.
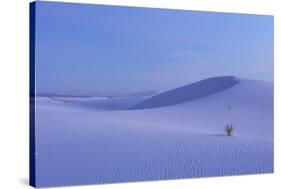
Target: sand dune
<point x="189" y="92"/>
<point x="78" y="145"/>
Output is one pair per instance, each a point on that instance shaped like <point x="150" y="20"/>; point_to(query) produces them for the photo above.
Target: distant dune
<point x="144" y="93"/>
<point x="189" y="92"/>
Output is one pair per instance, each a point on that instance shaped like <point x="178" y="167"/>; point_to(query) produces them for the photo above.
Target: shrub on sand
<point x="229" y="129"/>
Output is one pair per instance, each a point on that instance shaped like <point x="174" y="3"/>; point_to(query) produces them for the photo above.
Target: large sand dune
<point x="77" y="143"/>
<point x="189" y="92"/>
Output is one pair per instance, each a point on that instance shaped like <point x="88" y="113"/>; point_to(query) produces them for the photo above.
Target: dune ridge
<point x="188" y="92"/>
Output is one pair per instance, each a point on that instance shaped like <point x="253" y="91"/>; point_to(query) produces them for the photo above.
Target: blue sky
<point x="109" y="50"/>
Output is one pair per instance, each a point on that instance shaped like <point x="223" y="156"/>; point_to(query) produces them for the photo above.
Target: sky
<point x="84" y="49"/>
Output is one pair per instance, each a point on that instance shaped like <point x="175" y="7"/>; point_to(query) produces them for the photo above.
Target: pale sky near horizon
<point x="110" y="50"/>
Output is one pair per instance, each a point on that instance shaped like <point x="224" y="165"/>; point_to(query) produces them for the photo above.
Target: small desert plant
<point x="229" y="129"/>
<point x="229" y="107"/>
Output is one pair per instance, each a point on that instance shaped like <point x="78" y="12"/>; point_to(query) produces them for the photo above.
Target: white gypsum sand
<point x="101" y="140"/>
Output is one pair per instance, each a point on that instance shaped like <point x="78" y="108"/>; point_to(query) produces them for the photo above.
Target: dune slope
<point x="189" y="92"/>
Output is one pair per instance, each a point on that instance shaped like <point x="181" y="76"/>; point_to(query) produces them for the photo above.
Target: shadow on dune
<point x="189" y="92"/>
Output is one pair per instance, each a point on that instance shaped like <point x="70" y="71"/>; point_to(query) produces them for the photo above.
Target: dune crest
<point x="188" y="92"/>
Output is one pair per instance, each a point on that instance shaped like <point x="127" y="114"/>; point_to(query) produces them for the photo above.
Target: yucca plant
<point x="229" y="129"/>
